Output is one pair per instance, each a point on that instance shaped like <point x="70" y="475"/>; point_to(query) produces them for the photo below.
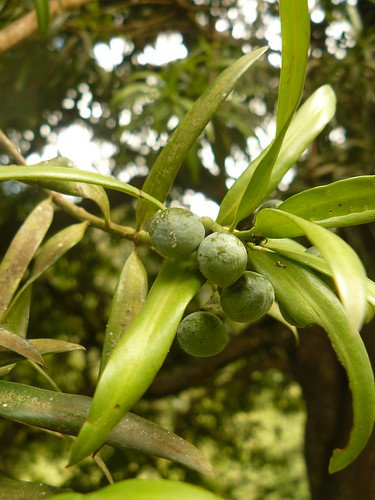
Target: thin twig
<point x="141" y="237"/>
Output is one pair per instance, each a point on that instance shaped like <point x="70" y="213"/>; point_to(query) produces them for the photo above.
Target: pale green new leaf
<point x="130" y="294"/>
<point x="347" y="270"/>
<point x="169" y="161"/>
<point x="306" y="125"/>
<point x="144" y="489"/>
<point x="21" y="251"/>
<point x="342" y="203"/>
<point x="309" y="300"/>
<point x="64" y="174"/>
<point x="295" y="45"/>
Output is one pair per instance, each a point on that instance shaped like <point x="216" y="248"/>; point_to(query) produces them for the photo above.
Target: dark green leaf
<point x="43" y="16"/>
<point x="18" y="344"/>
<point x="66" y="413"/>
<point x="21" y="251"/>
<point x="43" y="346"/>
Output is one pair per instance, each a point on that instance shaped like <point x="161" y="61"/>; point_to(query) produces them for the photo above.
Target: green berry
<point x="176" y="232"/>
<point x="222" y="258"/>
<point x="202" y="334"/>
<point x="248" y="299"/>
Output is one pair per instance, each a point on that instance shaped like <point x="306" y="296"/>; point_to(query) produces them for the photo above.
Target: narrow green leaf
<point x="18" y="344"/>
<point x="309" y="300"/>
<point x="88" y="191"/>
<point x="298" y="253"/>
<point x="130" y="294"/>
<point x="342" y="203"/>
<point x="43" y="346"/>
<point x="347" y="270"/>
<point x="66" y="413"/>
<point x="164" y="170"/>
<point x="142" y="489"/>
<point x="139" y="354"/>
<point x="21" y="251"/>
<point x="43" y="16"/>
<point x="49" y="253"/>
<point x="305" y="126"/>
<point x="64" y="174"/>
<point x="56" y="247"/>
<point x="295" y="45"/>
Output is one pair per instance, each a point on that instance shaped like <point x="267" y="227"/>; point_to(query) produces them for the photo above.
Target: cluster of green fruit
<point x="245" y="296"/>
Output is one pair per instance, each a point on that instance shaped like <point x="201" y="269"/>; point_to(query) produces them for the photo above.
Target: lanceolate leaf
<point x="295" y="46"/>
<point x="139" y="354"/>
<point x="347" y="270"/>
<point x="66" y="413"/>
<point x="64" y="174"/>
<point x="49" y="253"/>
<point x="89" y="191"/>
<point x="130" y="294"/>
<point x="343" y="203"/>
<point x="43" y="346"/>
<point x="21" y="251"/>
<point x="308" y="122"/>
<point x="12" y="488"/>
<point x="309" y="300"/>
<point x="142" y="489"/>
<point x="164" y="170"/>
<point x="18" y="344"/>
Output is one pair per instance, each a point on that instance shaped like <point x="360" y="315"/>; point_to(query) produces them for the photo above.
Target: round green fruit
<point x="176" y="232"/>
<point x="222" y="258"/>
<point x="202" y="334"/>
<point x="248" y="299"/>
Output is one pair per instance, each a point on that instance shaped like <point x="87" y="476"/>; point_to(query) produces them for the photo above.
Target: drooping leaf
<point x="18" y="344"/>
<point x="43" y="346"/>
<point x="130" y="294"/>
<point x="305" y="126"/>
<point x="166" y="166"/>
<point x="309" y="300"/>
<point x="65" y="413"/>
<point x="64" y="174"/>
<point x="295" y="45"/>
<point x="142" y="489"/>
<point x="347" y="202"/>
<point x="139" y="354"/>
<point x="88" y="191"/>
<point x="21" y="251"/>
<point x="347" y="270"/>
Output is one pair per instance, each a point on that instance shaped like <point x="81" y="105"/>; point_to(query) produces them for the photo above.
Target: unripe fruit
<point x="202" y="334"/>
<point x="176" y="232"/>
<point x="249" y="298"/>
<point x="222" y="258"/>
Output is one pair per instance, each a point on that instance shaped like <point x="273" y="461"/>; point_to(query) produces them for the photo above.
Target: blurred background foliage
<point x="106" y="88"/>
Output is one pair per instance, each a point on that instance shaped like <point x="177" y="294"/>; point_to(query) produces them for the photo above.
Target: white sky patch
<point x="168" y="47"/>
<point x="76" y="143"/>
<point x="111" y="55"/>
<point x="200" y="204"/>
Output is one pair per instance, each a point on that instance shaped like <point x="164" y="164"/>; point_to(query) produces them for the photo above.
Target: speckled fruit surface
<point x="249" y="298"/>
<point x="202" y="334"/>
<point x="222" y="258"/>
<point x="176" y="232"/>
